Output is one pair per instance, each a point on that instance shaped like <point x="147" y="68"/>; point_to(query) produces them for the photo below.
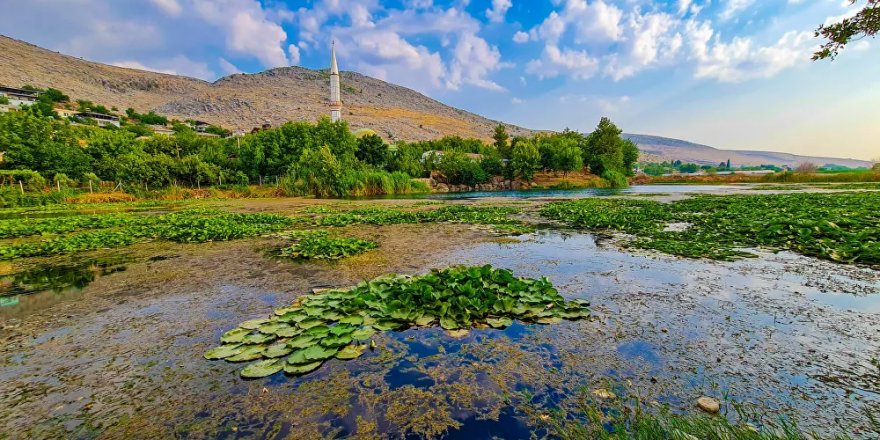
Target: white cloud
<point x="520" y="37"/>
<point x="651" y="40"/>
<point x="732" y="8"/>
<point x="248" y="30"/>
<point x="170" y="7"/>
<point x="555" y="62"/>
<point x="177" y="65"/>
<point x="386" y="55"/>
<point x="474" y="60"/>
<point x="498" y="10"/>
<point x="227" y="67"/>
<point x="741" y="59"/>
<point x="293" y="50"/>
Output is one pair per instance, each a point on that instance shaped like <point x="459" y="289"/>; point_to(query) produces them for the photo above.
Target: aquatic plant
<point x="841" y="227"/>
<point x="339" y="323"/>
<point x="455" y="213"/>
<point x="326" y="248"/>
<point x="185" y="226"/>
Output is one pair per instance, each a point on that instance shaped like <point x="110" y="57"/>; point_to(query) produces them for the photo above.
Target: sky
<point x="732" y="74"/>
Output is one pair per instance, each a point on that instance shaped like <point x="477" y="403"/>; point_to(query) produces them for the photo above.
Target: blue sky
<point x="728" y="73"/>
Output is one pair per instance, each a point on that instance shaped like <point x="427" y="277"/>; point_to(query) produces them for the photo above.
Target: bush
<point x="615" y="179"/>
<point x="459" y="169"/>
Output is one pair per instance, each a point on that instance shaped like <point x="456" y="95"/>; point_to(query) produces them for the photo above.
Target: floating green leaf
<point x="317" y="352"/>
<point x="351" y="352"/>
<point x="263" y="368"/>
<point x="277" y="350"/>
<point x="302" y="368"/>
<point x="223" y="351"/>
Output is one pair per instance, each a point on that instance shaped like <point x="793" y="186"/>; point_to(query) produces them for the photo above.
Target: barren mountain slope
<point x="243" y="101"/>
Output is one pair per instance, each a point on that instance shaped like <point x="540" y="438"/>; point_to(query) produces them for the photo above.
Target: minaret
<point x="335" y="100"/>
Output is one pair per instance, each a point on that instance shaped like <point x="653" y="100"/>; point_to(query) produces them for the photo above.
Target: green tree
<point x="525" y="160"/>
<point x="502" y="144"/>
<point x="42" y="144"/>
<point x="54" y="95"/>
<point x="569" y="158"/>
<point x="459" y="169"/>
<point x="604" y="149"/>
<point x="630" y="155"/>
<point x="4" y="100"/>
<point x="372" y="150"/>
<point x="863" y="24"/>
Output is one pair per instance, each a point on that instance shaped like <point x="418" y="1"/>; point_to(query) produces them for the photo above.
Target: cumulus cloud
<point x="498" y="10"/>
<point x="732" y="8"/>
<point x="248" y="30"/>
<point x="651" y="41"/>
<point x="741" y="59"/>
<point x="520" y="37"/>
<point x="293" y="50"/>
<point x="474" y="60"/>
<point x="177" y="65"/>
<point x="555" y="62"/>
<point x="227" y="67"/>
<point x="170" y="7"/>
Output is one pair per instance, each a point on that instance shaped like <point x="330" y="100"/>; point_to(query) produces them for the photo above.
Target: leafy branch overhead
<point x="863" y="24"/>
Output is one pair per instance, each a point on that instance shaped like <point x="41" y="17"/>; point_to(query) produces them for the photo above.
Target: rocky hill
<point x="243" y="101"/>
<point x="656" y="148"/>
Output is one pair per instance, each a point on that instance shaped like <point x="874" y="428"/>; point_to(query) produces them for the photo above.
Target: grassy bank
<point x="782" y="177"/>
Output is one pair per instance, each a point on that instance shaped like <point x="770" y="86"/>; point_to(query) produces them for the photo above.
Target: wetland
<point x="764" y="301"/>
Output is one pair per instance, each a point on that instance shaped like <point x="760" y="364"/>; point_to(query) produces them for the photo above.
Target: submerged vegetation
<point x="842" y="227"/>
<point x="339" y="323"/>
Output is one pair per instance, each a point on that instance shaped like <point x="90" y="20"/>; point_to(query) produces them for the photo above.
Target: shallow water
<point x="788" y="334"/>
<point x="592" y="192"/>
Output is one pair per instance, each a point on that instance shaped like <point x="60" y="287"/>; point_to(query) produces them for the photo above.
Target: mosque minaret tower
<point x="335" y="100"/>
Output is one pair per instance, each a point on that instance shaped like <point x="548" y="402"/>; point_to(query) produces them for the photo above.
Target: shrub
<point x="615" y="179"/>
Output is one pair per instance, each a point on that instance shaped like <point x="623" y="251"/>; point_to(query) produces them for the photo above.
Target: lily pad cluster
<point x="327" y="248"/>
<point x="340" y="323"/>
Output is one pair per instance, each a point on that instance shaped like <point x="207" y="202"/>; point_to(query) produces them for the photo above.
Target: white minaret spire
<point x="335" y="100"/>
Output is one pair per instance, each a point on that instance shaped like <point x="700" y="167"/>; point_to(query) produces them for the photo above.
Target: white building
<point x="18" y="97"/>
<point x="335" y="99"/>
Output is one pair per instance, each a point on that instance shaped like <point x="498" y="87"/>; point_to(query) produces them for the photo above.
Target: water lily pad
<point x="223" y="351"/>
<point x="319" y="331"/>
<point x="235" y="335"/>
<point x="549" y="320"/>
<point x="340" y="330"/>
<point x="258" y="338"/>
<point x="458" y="333"/>
<point x="309" y="323"/>
<point x="362" y="334"/>
<point x="385" y="325"/>
<point x="425" y="320"/>
<point x="298" y="357"/>
<point x="302" y="341"/>
<point x="353" y="320"/>
<point x="248" y="353"/>
<point x="272" y="327"/>
<point x="277" y="350"/>
<point x="336" y="341"/>
<point x="302" y="368"/>
<point x="288" y="332"/>
<point x="501" y="322"/>
<point x="318" y="352"/>
<point x="253" y="323"/>
<point x="351" y="352"/>
<point x="263" y="368"/>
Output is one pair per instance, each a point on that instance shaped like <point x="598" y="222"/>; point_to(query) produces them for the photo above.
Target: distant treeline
<point x="323" y="159"/>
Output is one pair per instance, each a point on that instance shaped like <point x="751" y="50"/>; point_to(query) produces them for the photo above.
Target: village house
<point x="65" y="113"/>
<point x="102" y="119"/>
<point x="17" y="97"/>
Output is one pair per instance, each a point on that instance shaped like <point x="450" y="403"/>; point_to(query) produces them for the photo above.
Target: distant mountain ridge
<point x="245" y="101"/>
<point x="659" y="148"/>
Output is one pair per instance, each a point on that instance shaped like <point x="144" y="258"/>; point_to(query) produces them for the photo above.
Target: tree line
<point x="323" y="159"/>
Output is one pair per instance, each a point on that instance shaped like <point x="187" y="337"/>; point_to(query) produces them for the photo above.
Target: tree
<point x="372" y="150"/>
<point x="865" y="23"/>
<point x="54" y="95"/>
<point x="630" y="155"/>
<point x="569" y="158"/>
<point x="604" y="149"/>
<point x="525" y="159"/>
<point x="501" y="141"/>
<point x="806" y="168"/>
<point x="459" y="169"/>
